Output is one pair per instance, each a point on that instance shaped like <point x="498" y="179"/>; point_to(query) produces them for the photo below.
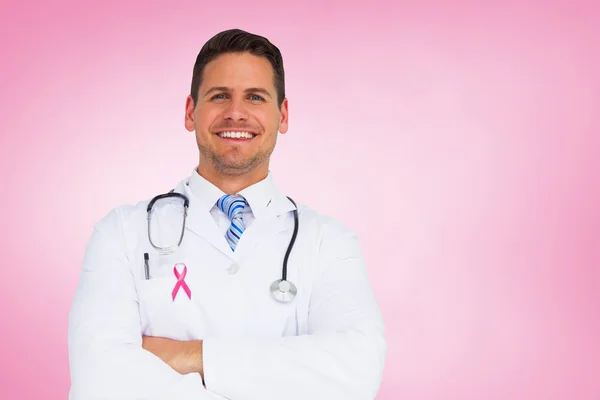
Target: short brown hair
<point x="239" y="41"/>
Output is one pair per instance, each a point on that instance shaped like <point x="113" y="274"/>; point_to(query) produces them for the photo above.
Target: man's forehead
<point x="238" y="73"/>
<point x="240" y="63"/>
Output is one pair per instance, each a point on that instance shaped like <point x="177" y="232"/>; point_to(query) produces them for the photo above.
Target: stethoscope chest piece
<point x="283" y="291"/>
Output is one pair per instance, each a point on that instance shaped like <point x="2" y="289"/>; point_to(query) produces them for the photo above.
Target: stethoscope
<point x="282" y="290"/>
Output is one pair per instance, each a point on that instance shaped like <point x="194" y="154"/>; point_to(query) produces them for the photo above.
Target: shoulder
<point x="130" y="215"/>
<point x="329" y="232"/>
<point x="125" y="219"/>
<point x="122" y="217"/>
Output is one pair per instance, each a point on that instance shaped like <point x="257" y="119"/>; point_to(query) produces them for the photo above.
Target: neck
<point x="230" y="183"/>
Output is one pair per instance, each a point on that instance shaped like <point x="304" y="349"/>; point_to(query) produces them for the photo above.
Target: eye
<point x="219" y="96"/>
<point x="256" y="97"/>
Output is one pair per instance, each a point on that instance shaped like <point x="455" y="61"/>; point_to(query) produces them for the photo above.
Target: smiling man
<point x="262" y="297"/>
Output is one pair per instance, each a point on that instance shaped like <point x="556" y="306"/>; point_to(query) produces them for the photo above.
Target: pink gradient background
<point x="480" y="121"/>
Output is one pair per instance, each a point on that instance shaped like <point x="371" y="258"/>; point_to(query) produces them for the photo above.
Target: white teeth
<point x="237" y="135"/>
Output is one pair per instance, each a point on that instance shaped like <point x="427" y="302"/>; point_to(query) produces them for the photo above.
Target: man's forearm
<point x="193" y="356"/>
<point x="184" y="357"/>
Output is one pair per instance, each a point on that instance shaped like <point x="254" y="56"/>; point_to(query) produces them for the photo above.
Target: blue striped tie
<point x="233" y="205"/>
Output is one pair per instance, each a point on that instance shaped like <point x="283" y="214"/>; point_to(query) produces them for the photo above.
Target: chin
<point x="234" y="164"/>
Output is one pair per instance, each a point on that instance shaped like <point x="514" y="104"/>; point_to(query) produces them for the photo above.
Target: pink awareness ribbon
<point x="181" y="281"/>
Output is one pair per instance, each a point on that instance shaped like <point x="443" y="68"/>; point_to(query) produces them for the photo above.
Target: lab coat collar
<point x="205" y="192"/>
<point x="263" y="197"/>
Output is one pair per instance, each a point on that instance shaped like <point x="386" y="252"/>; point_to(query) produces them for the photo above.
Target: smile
<point x="236" y="135"/>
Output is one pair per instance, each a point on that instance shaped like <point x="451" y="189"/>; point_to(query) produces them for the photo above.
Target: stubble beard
<point x="233" y="163"/>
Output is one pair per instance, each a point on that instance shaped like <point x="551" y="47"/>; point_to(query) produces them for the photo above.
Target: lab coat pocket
<point x="268" y="318"/>
<point x="166" y="310"/>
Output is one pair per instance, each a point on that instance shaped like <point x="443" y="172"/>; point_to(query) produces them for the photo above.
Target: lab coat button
<point x="233" y="269"/>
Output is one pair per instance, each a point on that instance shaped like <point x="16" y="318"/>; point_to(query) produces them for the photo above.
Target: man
<point x="200" y="323"/>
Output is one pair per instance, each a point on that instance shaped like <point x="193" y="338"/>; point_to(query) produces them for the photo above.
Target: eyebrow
<point x="217" y="89"/>
<point x="258" y="90"/>
<point x="249" y="90"/>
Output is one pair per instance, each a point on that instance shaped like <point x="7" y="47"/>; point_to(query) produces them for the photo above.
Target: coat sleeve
<point x="341" y="357"/>
<point x="106" y="357"/>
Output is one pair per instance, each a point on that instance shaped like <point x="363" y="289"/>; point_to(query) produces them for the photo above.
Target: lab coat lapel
<point x="201" y="223"/>
<point x="280" y="206"/>
<point x="268" y="226"/>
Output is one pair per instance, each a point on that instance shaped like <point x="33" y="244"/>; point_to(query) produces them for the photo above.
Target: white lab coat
<point x="328" y="344"/>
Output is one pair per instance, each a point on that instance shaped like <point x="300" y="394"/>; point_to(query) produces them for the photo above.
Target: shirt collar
<point x="204" y="191"/>
<point x="258" y="195"/>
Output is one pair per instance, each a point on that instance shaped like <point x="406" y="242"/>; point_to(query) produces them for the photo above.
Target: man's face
<point x="237" y="97"/>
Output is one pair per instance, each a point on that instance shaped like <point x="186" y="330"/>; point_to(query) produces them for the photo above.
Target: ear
<point x="189" y="114"/>
<point x="283" y="123"/>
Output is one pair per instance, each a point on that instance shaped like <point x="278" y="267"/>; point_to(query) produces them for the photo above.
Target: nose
<point x="236" y="110"/>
